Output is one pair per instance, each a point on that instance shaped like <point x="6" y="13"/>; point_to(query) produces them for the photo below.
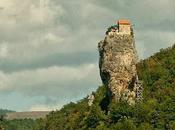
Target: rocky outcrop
<point x="117" y="65"/>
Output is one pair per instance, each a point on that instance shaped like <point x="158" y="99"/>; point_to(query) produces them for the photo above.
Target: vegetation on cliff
<point x="155" y="112"/>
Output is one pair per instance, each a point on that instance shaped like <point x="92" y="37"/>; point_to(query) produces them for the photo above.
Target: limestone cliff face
<point x="117" y="65"/>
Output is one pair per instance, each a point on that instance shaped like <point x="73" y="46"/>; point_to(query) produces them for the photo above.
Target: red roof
<point x="124" y="22"/>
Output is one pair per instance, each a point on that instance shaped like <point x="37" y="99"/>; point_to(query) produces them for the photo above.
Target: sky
<point x="48" y="48"/>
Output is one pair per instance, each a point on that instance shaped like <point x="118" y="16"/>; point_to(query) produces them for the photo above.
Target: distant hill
<point x="4" y="111"/>
<point x="26" y="115"/>
<point x="22" y="120"/>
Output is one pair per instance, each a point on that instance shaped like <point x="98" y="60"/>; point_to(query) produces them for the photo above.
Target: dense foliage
<point x="25" y="124"/>
<point x="155" y="112"/>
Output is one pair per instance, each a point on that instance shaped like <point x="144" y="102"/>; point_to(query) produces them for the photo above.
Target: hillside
<point x="156" y="111"/>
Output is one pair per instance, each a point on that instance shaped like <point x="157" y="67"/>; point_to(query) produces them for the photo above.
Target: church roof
<point x="124" y="22"/>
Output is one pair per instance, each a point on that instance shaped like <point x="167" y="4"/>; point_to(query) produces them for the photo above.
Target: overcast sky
<point x="48" y="48"/>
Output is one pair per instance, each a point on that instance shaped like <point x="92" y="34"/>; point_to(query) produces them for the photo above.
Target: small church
<point x="122" y="27"/>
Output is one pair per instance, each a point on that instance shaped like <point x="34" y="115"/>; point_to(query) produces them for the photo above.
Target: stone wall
<point x="125" y="29"/>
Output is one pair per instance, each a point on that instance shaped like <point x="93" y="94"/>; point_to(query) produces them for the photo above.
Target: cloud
<point x="151" y="41"/>
<point x="48" y="27"/>
<point x="48" y="48"/>
<point x="54" y="82"/>
<point x="3" y="51"/>
<point x="38" y="32"/>
<point x="27" y="26"/>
